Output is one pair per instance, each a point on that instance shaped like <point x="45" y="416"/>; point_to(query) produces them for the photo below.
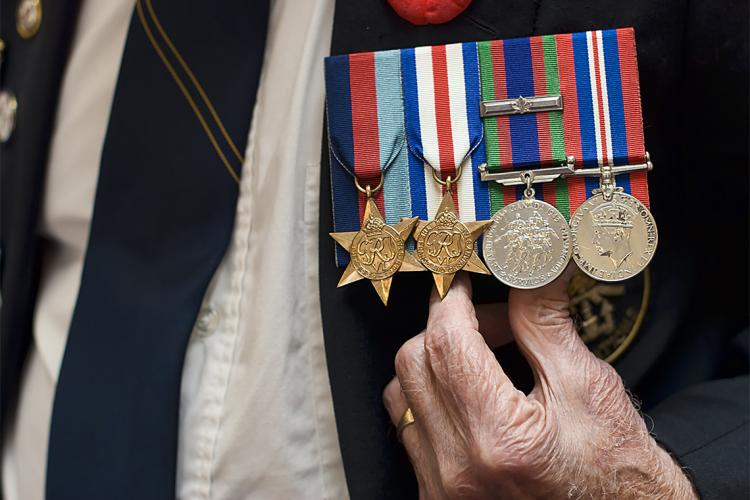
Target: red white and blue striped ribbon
<point x="443" y="127"/>
<point x="602" y="105"/>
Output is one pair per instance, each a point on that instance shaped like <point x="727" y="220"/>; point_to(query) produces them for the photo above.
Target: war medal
<point x="528" y="245"/>
<point x="377" y="250"/>
<point x="445" y="245"/>
<point x="614" y="235"/>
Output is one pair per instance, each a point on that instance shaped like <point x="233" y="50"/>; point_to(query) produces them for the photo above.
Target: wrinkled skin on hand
<point x="576" y="435"/>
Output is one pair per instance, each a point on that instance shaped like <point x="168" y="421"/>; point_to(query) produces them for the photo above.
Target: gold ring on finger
<point x="406" y="420"/>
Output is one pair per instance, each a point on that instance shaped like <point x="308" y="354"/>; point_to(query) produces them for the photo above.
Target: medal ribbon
<point x="366" y="138"/>
<point x="596" y="73"/>
<point x="443" y="127"/>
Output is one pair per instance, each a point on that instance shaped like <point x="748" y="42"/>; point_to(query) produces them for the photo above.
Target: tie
<point x="163" y="218"/>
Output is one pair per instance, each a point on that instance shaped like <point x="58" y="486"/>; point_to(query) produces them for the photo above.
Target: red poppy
<point x="422" y="12"/>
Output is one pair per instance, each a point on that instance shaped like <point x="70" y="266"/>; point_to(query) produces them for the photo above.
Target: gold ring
<point x="406" y="420"/>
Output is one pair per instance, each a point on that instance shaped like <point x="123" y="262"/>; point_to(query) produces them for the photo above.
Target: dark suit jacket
<point x="689" y="363"/>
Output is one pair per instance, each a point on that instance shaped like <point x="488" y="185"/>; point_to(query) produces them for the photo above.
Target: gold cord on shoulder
<point x="186" y="93"/>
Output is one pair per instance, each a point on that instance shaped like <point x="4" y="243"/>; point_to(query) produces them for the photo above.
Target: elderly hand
<point x="576" y="435"/>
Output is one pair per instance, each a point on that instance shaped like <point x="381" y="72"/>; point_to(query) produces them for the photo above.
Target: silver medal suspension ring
<point x="613" y="235"/>
<point x="528" y="244"/>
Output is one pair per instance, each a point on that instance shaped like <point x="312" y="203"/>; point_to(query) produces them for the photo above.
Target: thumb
<point x="543" y="329"/>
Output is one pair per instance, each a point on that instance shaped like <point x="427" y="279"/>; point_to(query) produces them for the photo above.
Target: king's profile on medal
<point x="612" y="227"/>
<point x="613" y="239"/>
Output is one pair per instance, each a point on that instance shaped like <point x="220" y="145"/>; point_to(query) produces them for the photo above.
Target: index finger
<point x="455" y="310"/>
<point x="465" y="370"/>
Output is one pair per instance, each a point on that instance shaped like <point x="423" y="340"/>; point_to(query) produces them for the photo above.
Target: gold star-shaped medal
<point x="377" y="251"/>
<point x="445" y="245"/>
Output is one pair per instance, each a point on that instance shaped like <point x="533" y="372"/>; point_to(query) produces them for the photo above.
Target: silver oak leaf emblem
<point x="522" y="105"/>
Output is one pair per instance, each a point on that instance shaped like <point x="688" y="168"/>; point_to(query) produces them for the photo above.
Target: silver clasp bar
<point x="521" y="105"/>
<point x="518" y="177"/>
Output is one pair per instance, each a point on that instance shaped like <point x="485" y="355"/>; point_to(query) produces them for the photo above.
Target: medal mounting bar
<point x="517" y="178"/>
<point x="520" y="105"/>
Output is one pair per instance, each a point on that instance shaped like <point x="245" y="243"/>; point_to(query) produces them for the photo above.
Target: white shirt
<point x="255" y="375"/>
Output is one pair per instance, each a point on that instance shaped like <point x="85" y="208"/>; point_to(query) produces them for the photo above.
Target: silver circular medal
<point x="613" y="239"/>
<point x="528" y="244"/>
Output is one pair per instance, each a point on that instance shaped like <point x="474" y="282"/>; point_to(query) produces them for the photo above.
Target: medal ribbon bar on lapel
<point x="412" y="110"/>
<point x="596" y="75"/>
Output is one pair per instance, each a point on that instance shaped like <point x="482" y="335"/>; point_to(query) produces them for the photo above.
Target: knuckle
<point x="409" y="356"/>
<point x="437" y="339"/>
<point x="442" y="340"/>
<point x="553" y="311"/>
<point x="558" y="324"/>
<point x="542" y="311"/>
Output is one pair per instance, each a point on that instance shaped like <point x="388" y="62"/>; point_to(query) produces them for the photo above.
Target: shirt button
<point x="208" y="320"/>
<point x="8" y="107"/>
<point x="28" y="17"/>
